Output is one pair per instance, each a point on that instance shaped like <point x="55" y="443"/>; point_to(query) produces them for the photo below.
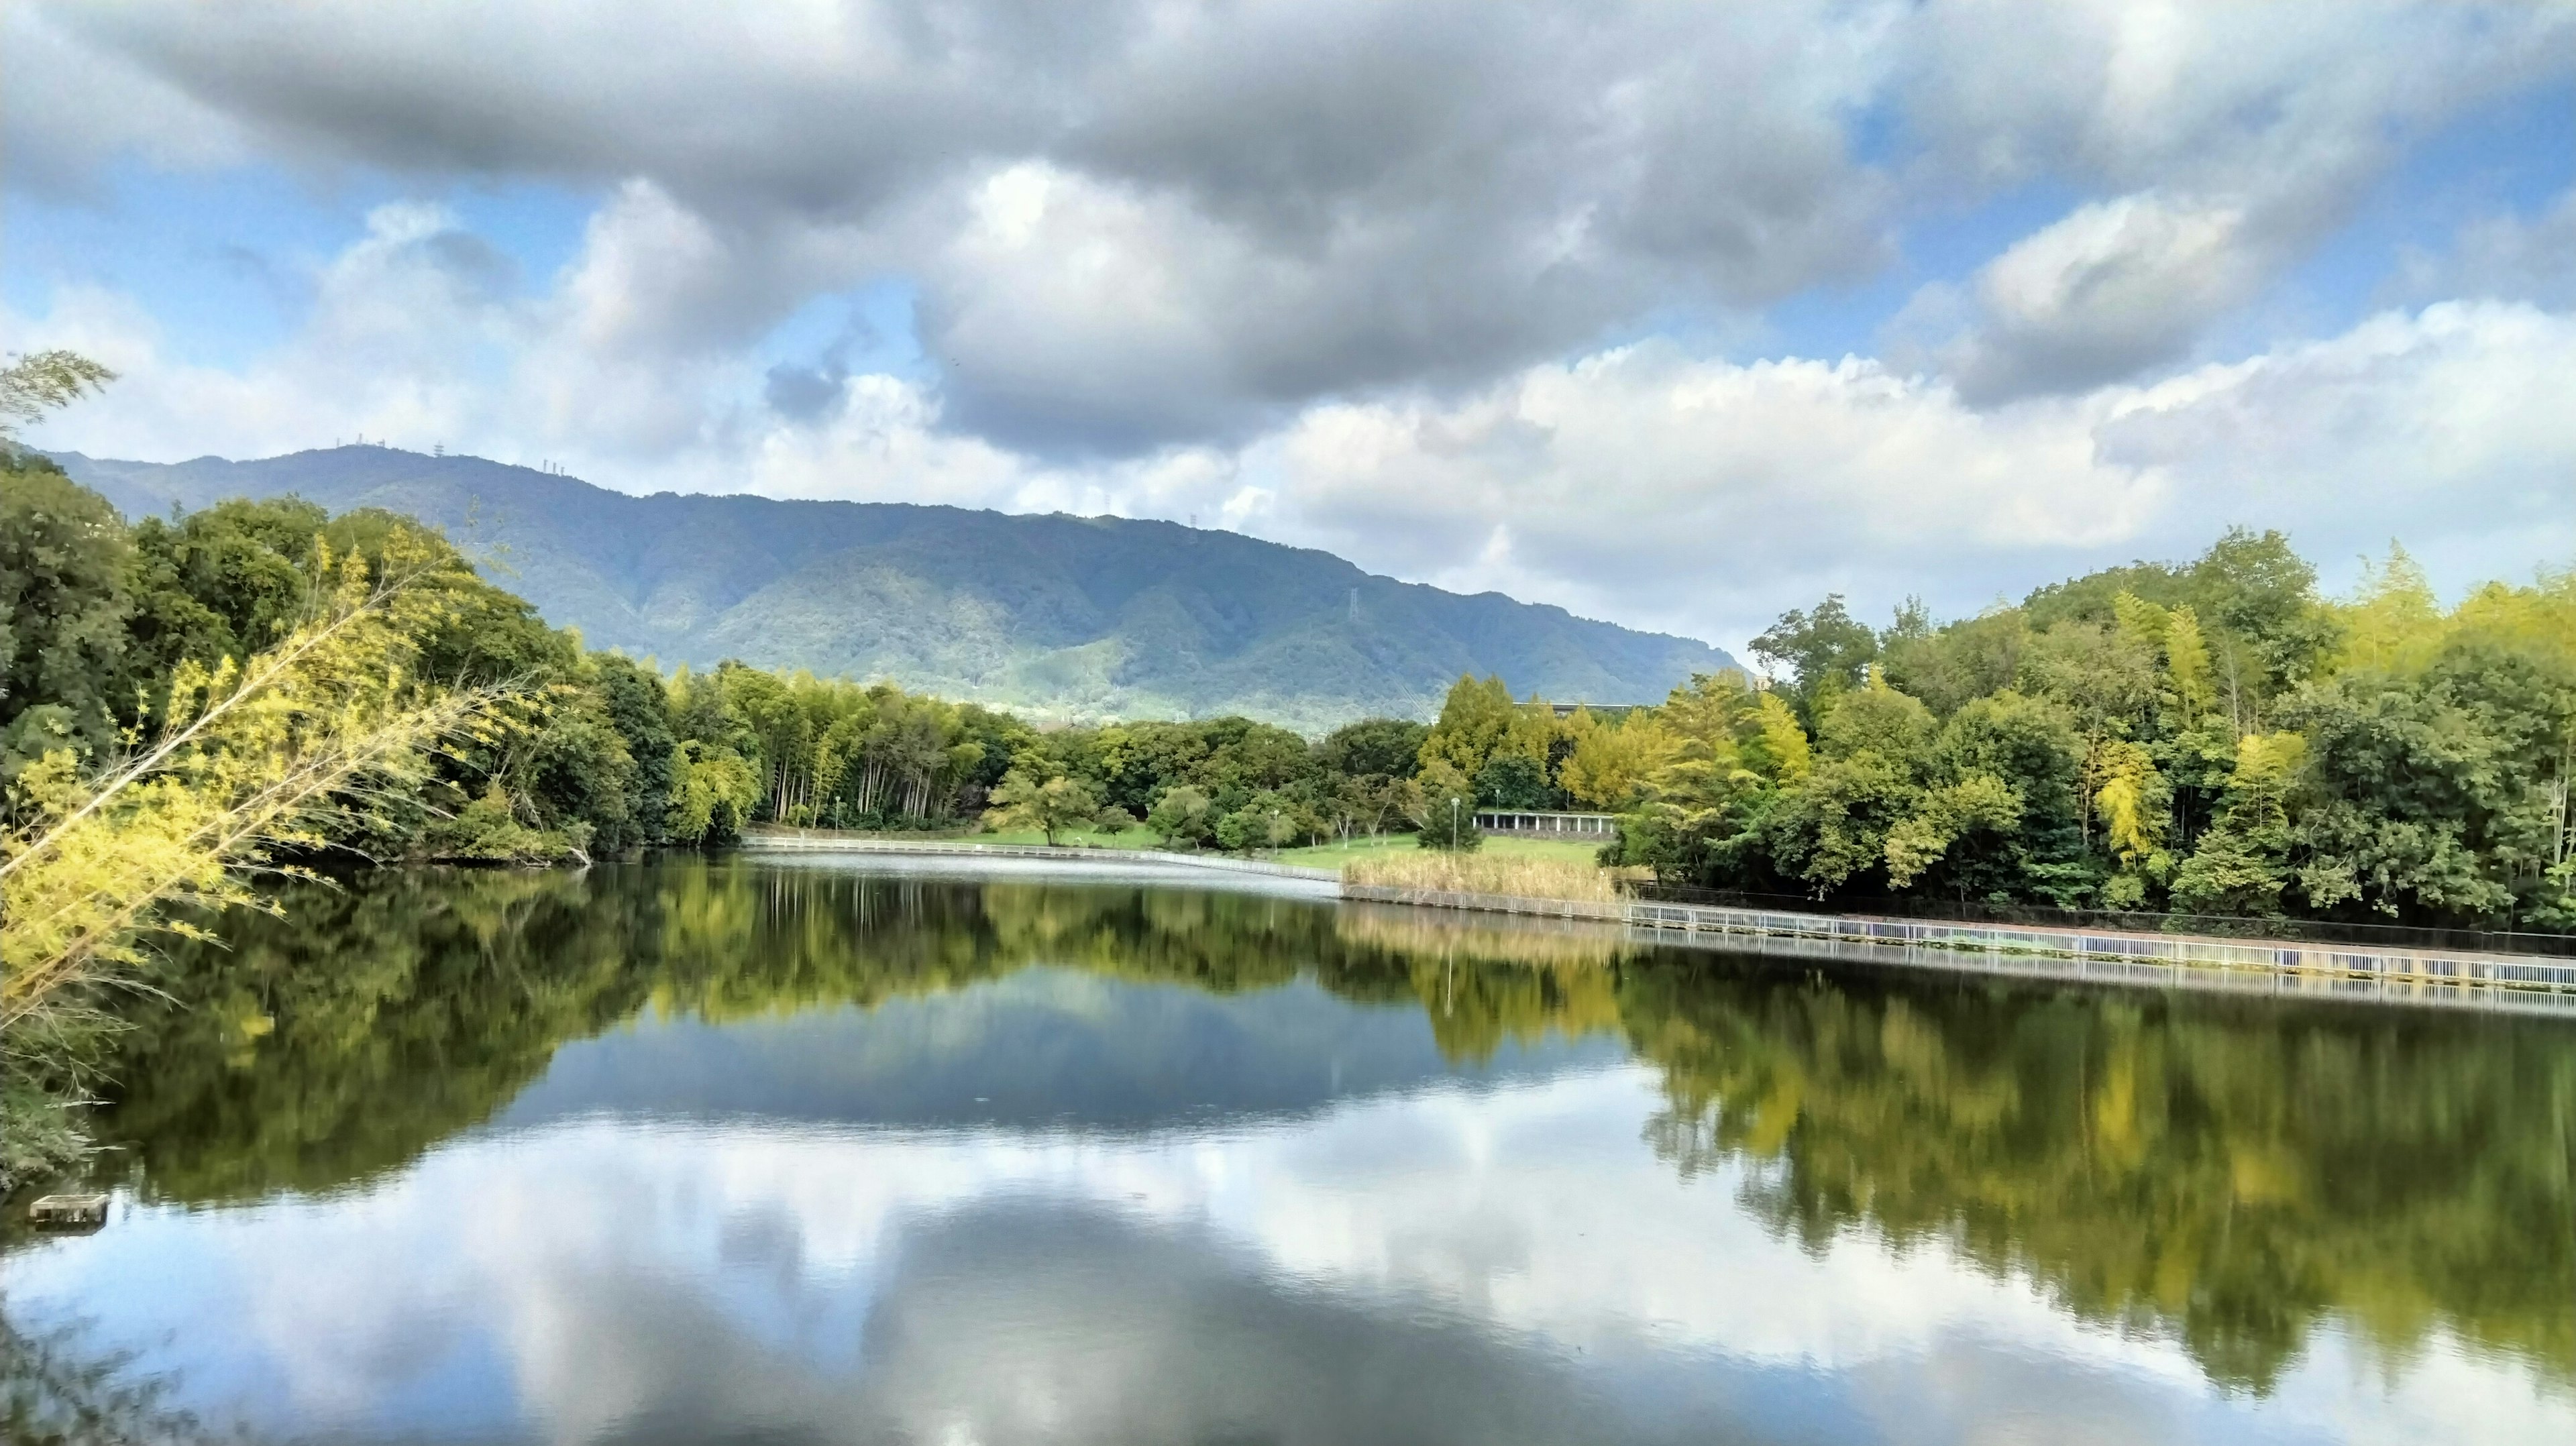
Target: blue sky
<point x="1673" y="315"/>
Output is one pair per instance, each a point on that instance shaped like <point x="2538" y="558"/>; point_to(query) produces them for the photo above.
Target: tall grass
<point x="1524" y="877"/>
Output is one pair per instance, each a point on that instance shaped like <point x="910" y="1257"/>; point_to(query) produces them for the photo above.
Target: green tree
<point x="1184" y="816"/>
<point x="63" y="609"/>
<point x="1269" y="819"/>
<point x="31" y="386"/>
<point x="248" y="760"/>
<point x="1374" y="748"/>
<point x="1442" y="806"/>
<point x="1826" y="652"/>
<point x="1051" y="807"/>
<point x="1479" y="720"/>
<point x="713" y="793"/>
<point x="1513" y="780"/>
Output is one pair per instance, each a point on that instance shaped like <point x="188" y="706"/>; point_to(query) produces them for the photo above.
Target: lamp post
<point x="1453" y="823"/>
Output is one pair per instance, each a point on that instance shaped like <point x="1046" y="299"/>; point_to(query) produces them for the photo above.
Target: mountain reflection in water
<point x="688" y="1152"/>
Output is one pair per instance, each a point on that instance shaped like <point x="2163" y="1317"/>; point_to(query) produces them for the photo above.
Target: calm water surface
<point x="734" y="1152"/>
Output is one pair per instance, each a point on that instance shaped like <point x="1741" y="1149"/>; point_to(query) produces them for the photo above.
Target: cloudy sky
<point x="1676" y="314"/>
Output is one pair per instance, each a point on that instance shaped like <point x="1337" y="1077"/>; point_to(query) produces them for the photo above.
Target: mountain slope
<point x="1081" y="617"/>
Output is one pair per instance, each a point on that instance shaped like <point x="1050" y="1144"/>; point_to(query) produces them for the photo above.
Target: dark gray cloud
<point x="1135" y="223"/>
<point x="1247" y="207"/>
<point x="804" y="393"/>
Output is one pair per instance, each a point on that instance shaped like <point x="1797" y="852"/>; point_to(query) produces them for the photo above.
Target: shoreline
<point x="2517" y="983"/>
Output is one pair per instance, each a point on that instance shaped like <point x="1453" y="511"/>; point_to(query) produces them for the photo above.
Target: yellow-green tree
<point x="1051" y="807"/>
<point x="1479" y="720"/>
<point x="248" y="759"/>
<point x="1609" y="761"/>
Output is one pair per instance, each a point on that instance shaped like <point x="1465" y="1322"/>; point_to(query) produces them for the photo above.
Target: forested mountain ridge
<point x="1081" y="617"/>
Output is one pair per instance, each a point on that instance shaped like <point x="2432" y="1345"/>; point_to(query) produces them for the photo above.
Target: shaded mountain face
<point x="1077" y="617"/>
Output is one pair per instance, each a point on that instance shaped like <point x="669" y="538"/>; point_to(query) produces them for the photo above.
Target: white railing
<point x="2147" y="957"/>
<point x="2336" y="970"/>
<point x="779" y="841"/>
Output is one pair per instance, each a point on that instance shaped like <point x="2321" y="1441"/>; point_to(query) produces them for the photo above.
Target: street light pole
<point x="1453" y="823"/>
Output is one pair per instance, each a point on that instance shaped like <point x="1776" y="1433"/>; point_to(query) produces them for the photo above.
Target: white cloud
<point x="1654" y="488"/>
<point x="2232" y="139"/>
<point x="2446" y="429"/>
<point x="1340" y="274"/>
<point x="2278" y="100"/>
<point x="1066" y="1285"/>
<point x="1645" y="483"/>
<point x="1228" y="212"/>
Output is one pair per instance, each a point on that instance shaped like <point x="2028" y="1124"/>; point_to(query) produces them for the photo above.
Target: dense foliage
<point x="612" y="755"/>
<point x="2208" y="738"/>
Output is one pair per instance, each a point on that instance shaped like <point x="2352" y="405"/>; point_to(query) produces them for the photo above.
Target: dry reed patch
<point x="1528" y="878"/>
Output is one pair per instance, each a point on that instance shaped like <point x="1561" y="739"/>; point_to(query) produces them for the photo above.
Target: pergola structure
<point x="1547" y="825"/>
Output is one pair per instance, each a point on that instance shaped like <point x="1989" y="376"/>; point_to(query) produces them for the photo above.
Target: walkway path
<point x="2344" y="971"/>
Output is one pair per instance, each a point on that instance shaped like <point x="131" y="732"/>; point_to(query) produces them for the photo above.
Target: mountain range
<point x="1076" y="618"/>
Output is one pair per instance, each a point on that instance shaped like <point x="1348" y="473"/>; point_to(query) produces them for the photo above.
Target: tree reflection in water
<point x="56" y="1389"/>
<point x="2227" y="1172"/>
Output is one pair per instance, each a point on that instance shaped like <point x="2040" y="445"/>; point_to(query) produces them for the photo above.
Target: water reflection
<point x="694" y="1153"/>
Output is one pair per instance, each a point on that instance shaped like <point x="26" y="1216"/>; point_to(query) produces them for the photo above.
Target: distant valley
<point x="1073" y="617"/>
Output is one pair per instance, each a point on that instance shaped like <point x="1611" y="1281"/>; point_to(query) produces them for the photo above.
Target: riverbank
<point x="2523" y="983"/>
<point x="1329" y="857"/>
<point x="794" y="842"/>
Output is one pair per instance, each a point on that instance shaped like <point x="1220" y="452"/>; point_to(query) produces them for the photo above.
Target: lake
<point x="858" y="1151"/>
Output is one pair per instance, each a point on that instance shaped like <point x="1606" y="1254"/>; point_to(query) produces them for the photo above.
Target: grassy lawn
<point x="1333" y="856"/>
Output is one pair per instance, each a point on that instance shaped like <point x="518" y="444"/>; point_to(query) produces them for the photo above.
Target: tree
<point x="224" y="581"/>
<point x="1836" y="823"/>
<point x="1051" y="807"/>
<point x="1826" y="653"/>
<point x="713" y="793"/>
<point x="1947" y="667"/>
<point x="1609" y="762"/>
<point x="1512" y="780"/>
<point x="1442" y="806"/>
<point x="248" y="760"/>
<point x="63" y="611"/>
<point x="1268" y="819"/>
<point x="31" y="386"/>
<point x="1478" y="720"/>
<point x="1374" y="748"/>
<point x="1184" y="816"/>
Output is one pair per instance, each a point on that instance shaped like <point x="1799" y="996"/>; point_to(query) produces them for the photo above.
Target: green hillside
<point x="1079" y="617"/>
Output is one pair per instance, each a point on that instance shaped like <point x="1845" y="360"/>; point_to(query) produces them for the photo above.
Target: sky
<point x="1673" y="314"/>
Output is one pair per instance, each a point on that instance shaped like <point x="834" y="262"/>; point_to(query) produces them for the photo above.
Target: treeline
<point x="597" y="753"/>
<point x="2209" y="738"/>
<point x="2206" y="737"/>
<point x="2212" y="737"/>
